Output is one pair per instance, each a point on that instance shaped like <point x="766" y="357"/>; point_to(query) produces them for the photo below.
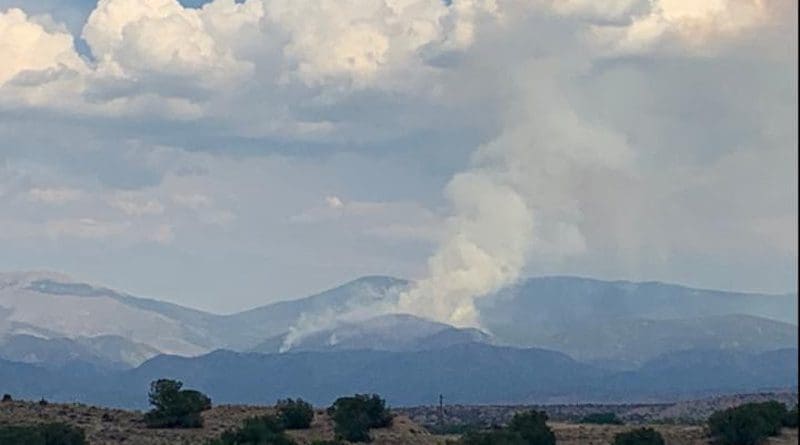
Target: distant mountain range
<point x="464" y="374"/>
<point x="548" y="338"/>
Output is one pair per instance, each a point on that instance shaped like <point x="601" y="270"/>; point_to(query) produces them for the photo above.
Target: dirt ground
<point x="109" y="426"/>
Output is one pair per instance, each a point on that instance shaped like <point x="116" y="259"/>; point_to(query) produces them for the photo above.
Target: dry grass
<point x="109" y="426"/>
<point x="580" y="434"/>
<point x="577" y="434"/>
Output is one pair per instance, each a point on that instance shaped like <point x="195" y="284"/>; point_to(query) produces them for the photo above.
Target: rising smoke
<point x="522" y="196"/>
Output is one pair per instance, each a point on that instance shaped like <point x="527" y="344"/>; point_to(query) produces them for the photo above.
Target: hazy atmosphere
<point x="399" y="222"/>
<point x="231" y="154"/>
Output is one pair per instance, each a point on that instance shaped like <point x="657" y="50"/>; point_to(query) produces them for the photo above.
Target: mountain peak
<point x="25" y="278"/>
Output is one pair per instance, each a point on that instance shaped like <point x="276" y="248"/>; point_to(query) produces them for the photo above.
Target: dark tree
<point x="639" y="436"/>
<point x="174" y="407"/>
<point x="295" y="414"/>
<point x="747" y="424"/>
<point x="532" y="427"/>
<point x="601" y="419"/>
<point x="354" y="416"/>
<point x="263" y="430"/>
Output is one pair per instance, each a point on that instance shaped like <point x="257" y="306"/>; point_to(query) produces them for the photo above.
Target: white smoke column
<point x="523" y="196"/>
<point x="485" y="249"/>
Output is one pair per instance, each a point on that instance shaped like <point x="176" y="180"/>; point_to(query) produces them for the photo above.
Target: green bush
<point x="532" y="427"/>
<point x="791" y="418"/>
<point x="295" y="414"/>
<point x="639" y="436"/>
<point x="492" y="437"/>
<point x="174" y="407"/>
<point x="747" y="424"/>
<point x="602" y="419"/>
<point x="528" y="428"/>
<point x="263" y="430"/>
<point x="354" y="416"/>
<point x="43" y="434"/>
<point x="457" y="429"/>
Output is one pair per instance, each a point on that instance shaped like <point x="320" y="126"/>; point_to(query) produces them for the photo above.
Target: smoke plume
<point x="522" y="196"/>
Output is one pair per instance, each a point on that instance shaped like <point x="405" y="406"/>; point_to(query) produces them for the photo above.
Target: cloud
<point x="28" y="46"/>
<point x="193" y="201"/>
<point x="56" y="196"/>
<point x="334" y="202"/>
<point x="697" y="26"/>
<point x="633" y="139"/>
<point x="390" y="221"/>
<point x="84" y="228"/>
<point x="132" y="39"/>
<point x="134" y="207"/>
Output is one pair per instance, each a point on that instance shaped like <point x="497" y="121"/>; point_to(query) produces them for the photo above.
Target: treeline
<point x="355" y="416"/>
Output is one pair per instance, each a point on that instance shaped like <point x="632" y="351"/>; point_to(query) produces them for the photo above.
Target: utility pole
<point x="441" y="410"/>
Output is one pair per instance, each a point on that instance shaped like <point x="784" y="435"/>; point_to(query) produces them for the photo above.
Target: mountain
<point x="246" y="330"/>
<point x="618" y="324"/>
<point x="464" y="374"/>
<point x="633" y="341"/>
<point x="393" y="332"/>
<point x="51" y="305"/>
<point x="103" y="351"/>
<point x="703" y="371"/>
<point x="539" y="307"/>
<point x="621" y="324"/>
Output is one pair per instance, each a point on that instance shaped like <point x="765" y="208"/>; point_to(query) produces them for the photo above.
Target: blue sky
<point x="247" y="152"/>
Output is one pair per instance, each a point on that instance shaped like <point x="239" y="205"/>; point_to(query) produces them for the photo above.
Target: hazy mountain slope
<point x="394" y="332"/>
<point x="50" y="352"/>
<point x="195" y="323"/>
<point x="248" y="329"/>
<point x="706" y="371"/>
<point x="119" y="349"/>
<point x="592" y="319"/>
<point x="536" y="308"/>
<point x="637" y="340"/>
<point x="51" y="305"/>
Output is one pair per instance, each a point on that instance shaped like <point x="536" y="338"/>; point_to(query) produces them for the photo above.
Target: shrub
<point x="42" y="434"/>
<point x="747" y="424"/>
<point x="532" y="427"/>
<point x="295" y="414"/>
<point x="639" y="436"/>
<point x="7" y="398"/>
<point x="263" y="430"/>
<point x="457" y="429"/>
<point x="174" y="407"/>
<point x="493" y="437"/>
<point x="602" y="419"/>
<point x="354" y="416"/>
<point x="528" y="428"/>
<point x="791" y="418"/>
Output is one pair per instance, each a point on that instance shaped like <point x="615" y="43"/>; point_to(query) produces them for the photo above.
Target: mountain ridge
<point x="549" y="312"/>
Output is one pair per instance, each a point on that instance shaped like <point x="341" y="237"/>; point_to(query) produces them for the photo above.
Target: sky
<point x="224" y="155"/>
